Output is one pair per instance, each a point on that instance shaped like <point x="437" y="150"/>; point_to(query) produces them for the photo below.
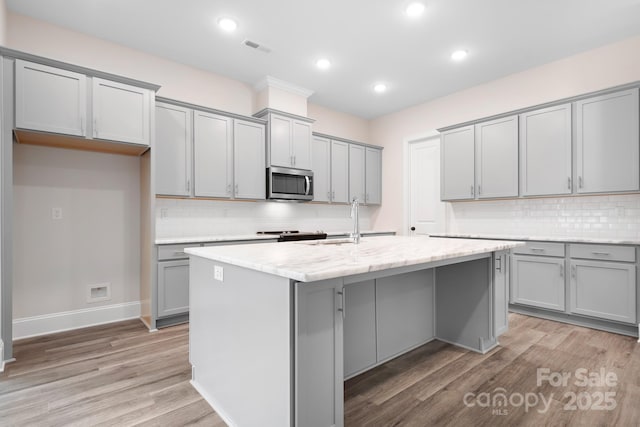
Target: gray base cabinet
<point x="501" y="289"/>
<point x="173" y="287"/>
<point x="359" y="327"/>
<point x="538" y="281"/>
<point x="605" y="290"/>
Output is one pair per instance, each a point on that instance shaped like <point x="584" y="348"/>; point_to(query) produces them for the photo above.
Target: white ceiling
<point x="366" y="40"/>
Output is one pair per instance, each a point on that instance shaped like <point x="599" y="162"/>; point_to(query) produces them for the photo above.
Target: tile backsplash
<point x="189" y="218"/>
<point x="607" y="216"/>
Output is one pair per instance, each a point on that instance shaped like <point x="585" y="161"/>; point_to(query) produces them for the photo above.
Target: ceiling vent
<point x="256" y="46"/>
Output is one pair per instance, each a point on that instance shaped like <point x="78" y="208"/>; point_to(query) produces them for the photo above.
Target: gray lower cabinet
<point x="359" y="327"/>
<point x="602" y="289"/>
<point x="608" y="157"/>
<point x="458" y="164"/>
<point x="318" y="356"/>
<point x="538" y="281"/>
<point x="173" y="287"/>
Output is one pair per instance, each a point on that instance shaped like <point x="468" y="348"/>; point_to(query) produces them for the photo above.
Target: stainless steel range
<point x="295" y="235"/>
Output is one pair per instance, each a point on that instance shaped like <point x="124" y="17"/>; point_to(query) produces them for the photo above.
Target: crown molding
<point x="269" y="81"/>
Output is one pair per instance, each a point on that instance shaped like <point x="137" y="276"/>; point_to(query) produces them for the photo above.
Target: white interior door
<point x="426" y="211"/>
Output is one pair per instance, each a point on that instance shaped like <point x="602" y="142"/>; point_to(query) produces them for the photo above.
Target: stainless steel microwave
<point x="289" y="184"/>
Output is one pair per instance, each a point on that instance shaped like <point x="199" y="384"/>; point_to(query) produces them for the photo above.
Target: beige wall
<point x="3" y="22"/>
<point x="597" y="69"/>
<point x="336" y="123"/>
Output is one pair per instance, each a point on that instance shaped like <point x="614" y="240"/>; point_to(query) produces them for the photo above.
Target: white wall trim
<point x="67" y="320"/>
<point x="269" y="81"/>
<point x="1" y="355"/>
<point x="406" y="142"/>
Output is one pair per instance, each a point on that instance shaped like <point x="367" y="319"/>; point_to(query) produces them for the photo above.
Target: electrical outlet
<point x="218" y="273"/>
<point x="56" y="213"/>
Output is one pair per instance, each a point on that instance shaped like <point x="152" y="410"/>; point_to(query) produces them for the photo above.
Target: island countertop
<point x="308" y="261"/>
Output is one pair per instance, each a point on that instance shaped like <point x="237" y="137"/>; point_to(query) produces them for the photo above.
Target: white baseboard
<point x="67" y="320"/>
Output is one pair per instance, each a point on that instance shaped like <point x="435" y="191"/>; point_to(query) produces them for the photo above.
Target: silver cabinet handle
<point x="179" y="253"/>
<point x="499" y="263"/>
<point x="569" y="182"/>
<point x="95" y="127"/>
<point x="573" y="271"/>
<point x="228" y="188"/>
<point x="82" y="125"/>
<point x="294" y="160"/>
<point x="333" y="195"/>
<point x="561" y="270"/>
<point x="537" y="249"/>
<point x="580" y="182"/>
<point x="188" y="185"/>
<point x="342" y="308"/>
<point x="479" y="190"/>
<point x="329" y="195"/>
<point x="472" y="190"/>
<point x="236" y="189"/>
<point x="601" y="253"/>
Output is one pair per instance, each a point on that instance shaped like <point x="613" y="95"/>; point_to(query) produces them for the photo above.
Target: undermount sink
<point x="327" y="242"/>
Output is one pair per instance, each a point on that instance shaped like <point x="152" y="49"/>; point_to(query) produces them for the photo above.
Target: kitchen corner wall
<point x="3" y="23"/>
<point x="612" y="216"/>
<point x="190" y="218"/>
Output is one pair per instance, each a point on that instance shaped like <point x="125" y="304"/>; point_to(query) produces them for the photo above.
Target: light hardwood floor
<point x="122" y="375"/>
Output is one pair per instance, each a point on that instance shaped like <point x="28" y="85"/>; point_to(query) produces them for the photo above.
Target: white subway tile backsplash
<point x="611" y="216"/>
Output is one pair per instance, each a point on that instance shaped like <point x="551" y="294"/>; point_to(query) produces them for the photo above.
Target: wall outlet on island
<point x="218" y="273"/>
<point x="56" y="213"/>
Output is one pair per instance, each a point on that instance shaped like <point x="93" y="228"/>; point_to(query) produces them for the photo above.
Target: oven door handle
<point x="307" y="185"/>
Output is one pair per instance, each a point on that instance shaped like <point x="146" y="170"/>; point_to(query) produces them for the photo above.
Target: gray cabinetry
<point x="373" y="180"/>
<point x="339" y="172"/>
<point x="212" y="147"/>
<point x="359" y="327"/>
<point x="318" y="354"/>
<point x="173" y="287"/>
<point x="289" y="139"/>
<point x="49" y="99"/>
<point x="120" y="112"/>
<point x="538" y="281"/>
<point x="280" y="140"/>
<point x="607" y="144"/>
<point x="458" y="164"/>
<point x="545" y="151"/>
<point x="321" y="167"/>
<point x="301" y="144"/>
<point x="501" y="292"/>
<point x="249" y="153"/>
<point x="497" y="158"/>
<point x="172" y="150"/>
<point x="357" y="173"/>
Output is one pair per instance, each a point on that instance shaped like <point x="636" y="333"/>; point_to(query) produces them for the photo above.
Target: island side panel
<point x="464" y="305"/>
<point x="240" y="343"/>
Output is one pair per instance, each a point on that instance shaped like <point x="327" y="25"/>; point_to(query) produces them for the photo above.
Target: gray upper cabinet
<point x="373" y="166"/>
<point x="458" y="162"/>
<point x="357" y="173"/>
<point x="212" y="147"/>
<point x="289" y="142"/>
<point x="339" y="172"/>
<point x="120" y="112"/>
<point x="545" y="151"/>
<point x="321" y="167"/>
<point x="249" y="154"/>
<point x="607" y="143"/>
<point x="50" y="99"/>
<point x="497" y="158"/>
<point x="172" y="150"/>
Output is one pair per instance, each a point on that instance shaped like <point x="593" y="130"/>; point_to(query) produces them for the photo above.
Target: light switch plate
<point x="218" y="273"/>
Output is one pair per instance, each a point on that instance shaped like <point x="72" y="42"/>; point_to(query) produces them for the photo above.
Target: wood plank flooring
<point x="122" y="375"/>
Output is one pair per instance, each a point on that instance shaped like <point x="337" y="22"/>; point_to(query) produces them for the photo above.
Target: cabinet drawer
<point x="174" y="251"/>
<point x="541" y="248"/>
<point x="604" y="252"/>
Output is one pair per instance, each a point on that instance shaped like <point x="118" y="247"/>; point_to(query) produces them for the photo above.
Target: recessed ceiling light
<point x="414" y="9"/>
<point x="227" y="24"/>
<point x="380" y="87"/>
<point x="459" y="55"/>
<point x="323" y="63"/>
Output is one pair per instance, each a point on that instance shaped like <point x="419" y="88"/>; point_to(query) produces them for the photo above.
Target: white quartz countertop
<point x="244" y="237"/>
<point x="567" y="239"/>
<point x="308" y="261"/>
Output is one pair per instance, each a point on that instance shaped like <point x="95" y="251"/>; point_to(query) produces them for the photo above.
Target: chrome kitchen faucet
<point x="355" y="214"/>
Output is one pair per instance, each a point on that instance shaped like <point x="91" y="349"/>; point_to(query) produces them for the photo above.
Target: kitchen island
<point x="275" y="328"/>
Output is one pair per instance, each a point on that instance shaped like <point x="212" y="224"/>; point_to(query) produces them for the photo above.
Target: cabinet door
<point x="359" y="327"/>
<point x="607" y="143"/>
<point x="321" y="167"/>
<point x="538" y="281"/>
<point x="172" y="149"/>
<point x="545" y="151"/>
<point x="173" y="287"/>
<point x="212" y="151"/>
<point x="280" y="141"/>
<point x="301" y="144"/>
<point x="339" y="172"/>
<point x="404" y="308"/>
<point x="497" y="158"/>
<point x="501" y="293"/>
<point x="120" y="112"/>
<point x="457" y="176"/>
<point x="49" y="99"/>
<point x="249" y="155"/>
<point x="356" y="173"/>
<point x="604" y="289"/>
<point x="319" y="354"/>
<point x="373" y="168"/>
